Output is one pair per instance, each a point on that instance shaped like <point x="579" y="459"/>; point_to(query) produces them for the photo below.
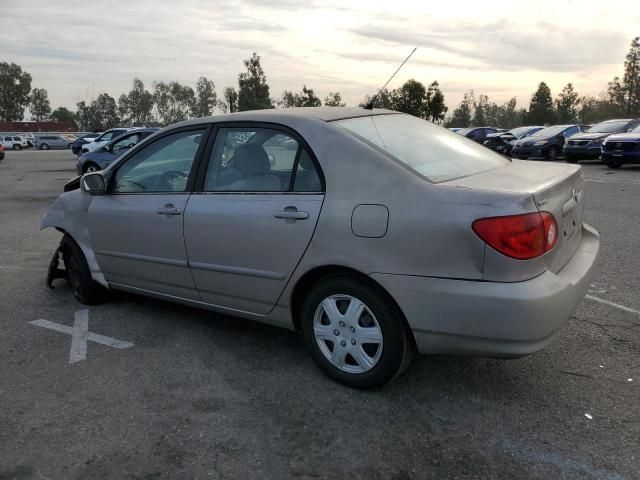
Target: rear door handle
<point x="169" y="209"/>
<point x="291" y="214"/>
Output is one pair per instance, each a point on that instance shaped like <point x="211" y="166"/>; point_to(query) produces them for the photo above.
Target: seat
<point x="307" y="179"/>
<point x="252" y="163"/>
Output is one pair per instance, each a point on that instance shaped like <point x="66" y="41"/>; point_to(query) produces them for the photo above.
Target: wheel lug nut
<point x="343" y="343"/>
<point x="352" y="329"/>
<point x="342" y="324"/>
<point x="336" y="332"/>
<point x="353" y="341"/>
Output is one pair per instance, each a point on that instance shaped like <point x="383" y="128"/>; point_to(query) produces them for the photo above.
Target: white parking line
<point x="80" y="334"/>
<point x="612" y="304"/>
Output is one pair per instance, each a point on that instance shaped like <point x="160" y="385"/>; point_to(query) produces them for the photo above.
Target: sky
<point x="79" y="49"/>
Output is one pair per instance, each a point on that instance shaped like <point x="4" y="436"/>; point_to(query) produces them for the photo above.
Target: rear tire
<point x="85" y="289"/>
<point x="17" y="147"/>
<point x="44" y="146"/>
<point x="377" y="334"/>
<point x="552" y="154"/>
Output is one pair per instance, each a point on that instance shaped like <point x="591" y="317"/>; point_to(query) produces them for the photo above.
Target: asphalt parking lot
<point x="192" y="394"/>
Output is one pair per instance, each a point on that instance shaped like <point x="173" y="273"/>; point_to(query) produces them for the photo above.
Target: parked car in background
<point x="103" y="139"/>
<point x="101" y="158"/>
<point x="621" y="148"/>
<point x="546" y="143"/>
<point x="1" y="152"/>
<point x="477" y="134"/>
<point x="29" y="137"/>
<point x="502" y="142"/>
<point x="76" y="145"/>
<point x="20" y="140"/>
<point x="257" y="214"/>
<point x="9" y="143"/>
<point x="45" y="142"/>
<point x="587" y="145"/>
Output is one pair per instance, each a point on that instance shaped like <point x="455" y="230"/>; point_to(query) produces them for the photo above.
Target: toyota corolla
<point x="374" y="233"/>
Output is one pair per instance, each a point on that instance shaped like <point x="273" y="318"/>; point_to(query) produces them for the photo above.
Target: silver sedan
<point x="374" y="233"/>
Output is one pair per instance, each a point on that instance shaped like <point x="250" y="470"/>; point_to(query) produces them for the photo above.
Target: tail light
<point x="519" y="236"/>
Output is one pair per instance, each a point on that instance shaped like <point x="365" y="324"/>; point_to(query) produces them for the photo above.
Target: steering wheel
<point x="167" y="178"/>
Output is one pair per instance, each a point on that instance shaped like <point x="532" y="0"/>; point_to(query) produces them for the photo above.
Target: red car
<point x="1" y="152"/>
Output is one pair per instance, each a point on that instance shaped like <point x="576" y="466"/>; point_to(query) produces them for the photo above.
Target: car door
<point x="253" y="218"/>
<point x="136" y="229"/>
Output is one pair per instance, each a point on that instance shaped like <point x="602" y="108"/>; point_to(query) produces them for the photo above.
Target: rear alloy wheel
<point x="17" y="147"/>
<point x="356" y="334"/>
<point x="78" y="275"/>
<point x="552" y="154"/>
<point x="613" y="163"/>
<point x="44" y="146"/>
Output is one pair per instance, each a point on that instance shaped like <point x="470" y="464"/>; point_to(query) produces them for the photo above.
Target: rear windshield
<point x="434" y="152"/>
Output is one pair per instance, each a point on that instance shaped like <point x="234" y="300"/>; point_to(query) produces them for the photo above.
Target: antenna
<point x="369" y="106"/>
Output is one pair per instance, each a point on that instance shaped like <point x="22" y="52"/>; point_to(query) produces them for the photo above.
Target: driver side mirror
<point x="93" y="183"/>
<point x="107" y="148"/>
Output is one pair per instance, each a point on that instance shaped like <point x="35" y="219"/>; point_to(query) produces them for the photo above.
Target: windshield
<point x="517" y="132"/>
<point x="610" y="127"/>
<point x="433" y="152"/>
<point x="550" y="131"/>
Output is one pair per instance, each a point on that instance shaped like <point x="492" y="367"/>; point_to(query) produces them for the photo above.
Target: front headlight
<point x="595" y="141"/>
<point x="540" y="143"/>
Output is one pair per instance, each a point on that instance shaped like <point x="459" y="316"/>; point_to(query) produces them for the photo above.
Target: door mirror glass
<point x="93" y="183"/>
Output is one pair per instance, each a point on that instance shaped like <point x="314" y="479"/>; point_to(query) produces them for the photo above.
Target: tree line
<point x="622" y="99"/>
<point x="170" y="102"/>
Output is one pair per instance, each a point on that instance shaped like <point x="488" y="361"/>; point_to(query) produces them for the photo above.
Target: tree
<point x="253" y="91"/>
<point x="123" y="108"/>
<point x="461" y="116"/>
<point x="596" y="109"/>
<point x="334" y="99"/>
<point x="62" y="114"/>
<point x="174" y="102"/>
<point x="410" y="98"/>
<point x="39" y="104"/>
<point x="382" y="100"/>
<point x="106" y="111"/>
<point x="631" y="79"/>
<point x="435" y="107"/>
<point x="306" y="98"/>
<point x="15" y="86"/>
<point x="509" y="115"/>
<point x="139" y="104"/>
<point x="230" y="102"/>
<point x="541" y="107"/>
<point x="205" y="98"/>
<point x="86" y="115"/>
<point x="480" y="111"/>
<point x="567" y="105"/>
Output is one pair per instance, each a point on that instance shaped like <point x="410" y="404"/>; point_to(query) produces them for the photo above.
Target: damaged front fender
<point x="69" y="213"/>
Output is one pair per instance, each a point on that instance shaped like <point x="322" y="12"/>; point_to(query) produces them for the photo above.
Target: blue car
<point x="103" y="156"/>
<point x="621" y="148"/>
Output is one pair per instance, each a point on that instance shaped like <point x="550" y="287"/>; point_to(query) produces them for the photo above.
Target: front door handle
<point x="291" y="213"/>
<point x="169" y="209"/>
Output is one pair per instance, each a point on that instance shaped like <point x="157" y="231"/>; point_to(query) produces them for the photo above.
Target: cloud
<point x="502" y="45"/>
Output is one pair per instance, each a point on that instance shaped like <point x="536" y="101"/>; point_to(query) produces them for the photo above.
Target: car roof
<point x="326" y="114"/>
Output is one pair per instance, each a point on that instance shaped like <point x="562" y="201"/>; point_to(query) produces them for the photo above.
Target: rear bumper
<point x="490" y="318"/>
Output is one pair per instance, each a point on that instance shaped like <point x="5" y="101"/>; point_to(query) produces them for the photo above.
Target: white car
<point x="103" y="139"/>
<point x="13" y="142"/>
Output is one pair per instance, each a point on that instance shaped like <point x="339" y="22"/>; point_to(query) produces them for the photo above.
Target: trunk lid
<point x="556" y="188"/>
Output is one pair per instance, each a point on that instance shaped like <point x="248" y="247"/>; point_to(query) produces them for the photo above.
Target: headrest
<point x="251" y="160"/>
